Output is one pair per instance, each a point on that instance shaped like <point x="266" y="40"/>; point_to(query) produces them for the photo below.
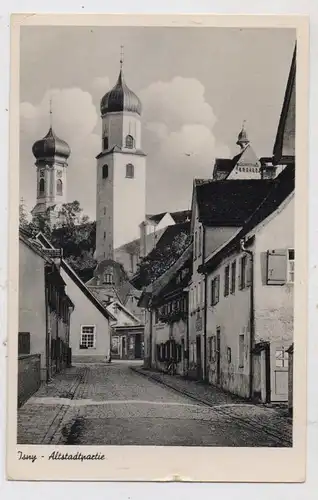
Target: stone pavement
<point x="38" y="423"/>
<point x="274" y="421"/>
<point x="113" y="404"/>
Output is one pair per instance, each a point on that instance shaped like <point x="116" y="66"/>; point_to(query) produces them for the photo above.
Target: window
<point x="199" y="293"/>
<point x="226" y="280"/>
<point x="104" y="235"/>
<point x="105" y="171"/>
<point x="88" y="337"/>
<point x="108" y="278"/>
<point x="104" y="210"/>
<point x="229" y="355"/>
<point x="291" y="266"/>
<point x="129" y="141"/>
<point x="130" y="171"/>
<point x="59" y="187"/>
<point x="215" y="290"/>
<point x="233" y="276"/>
<point x="41" y="186"/>
<point x="243" y="272"/>
<point x="281" y="357"/>
<point x="105" y="142"/>
<point x="241" y="351"/>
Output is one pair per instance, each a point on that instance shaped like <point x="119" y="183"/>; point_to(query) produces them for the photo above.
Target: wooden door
<point x="279" y="370"/>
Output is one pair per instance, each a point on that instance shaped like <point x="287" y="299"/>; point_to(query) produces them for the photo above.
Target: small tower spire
<point x="242" y="139"/>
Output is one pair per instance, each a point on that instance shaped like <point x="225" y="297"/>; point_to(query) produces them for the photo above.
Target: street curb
<point x="286" y="441"/>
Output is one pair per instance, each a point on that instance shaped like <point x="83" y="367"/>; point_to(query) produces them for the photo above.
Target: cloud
<point x="74" y="120"/>
<point x="178" y="137"/>
<point x="101" y="85"/>
<point x="179" y="134"/>
<point x="176" y="103"/>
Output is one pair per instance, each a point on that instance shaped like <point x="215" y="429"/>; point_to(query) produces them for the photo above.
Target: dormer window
<point x="130" y="171"/>
<point x="105" y="142"/>
<point x="129" y="142"/>
<point x="108" y="278"/>
<point x="105" y="171"/>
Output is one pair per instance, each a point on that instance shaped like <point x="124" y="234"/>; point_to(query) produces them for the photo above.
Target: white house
<point x="249" y="297"/>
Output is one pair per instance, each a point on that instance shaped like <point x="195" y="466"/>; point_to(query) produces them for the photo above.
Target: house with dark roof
<point x="249" y="278"/>
<point x="249" y="300"/>
<point x="166" y="328"/>
<point x="219" y="211"/>
<point x="44" y="317"/>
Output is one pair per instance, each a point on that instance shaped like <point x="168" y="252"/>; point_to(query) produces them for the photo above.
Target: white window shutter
<point x="276" y="267"/>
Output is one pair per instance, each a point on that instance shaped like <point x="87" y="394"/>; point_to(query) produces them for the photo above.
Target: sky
<point x="197" y="86"/>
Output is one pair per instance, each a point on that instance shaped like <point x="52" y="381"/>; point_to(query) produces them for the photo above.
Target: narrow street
<point x="101" y="404"/>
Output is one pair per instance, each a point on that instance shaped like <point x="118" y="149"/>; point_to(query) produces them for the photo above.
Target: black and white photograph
<point x="157" y="255"/>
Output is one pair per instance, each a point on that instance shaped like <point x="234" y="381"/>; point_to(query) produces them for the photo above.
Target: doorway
<point x="138" y="346"/>
<point x="218" y="356"/>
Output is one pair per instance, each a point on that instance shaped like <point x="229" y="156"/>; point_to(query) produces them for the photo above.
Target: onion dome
<point x="120" y="98"/>
<point x="51" y="146"/>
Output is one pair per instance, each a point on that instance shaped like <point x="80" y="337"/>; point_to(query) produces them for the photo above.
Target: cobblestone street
<point x="120" y="403"/>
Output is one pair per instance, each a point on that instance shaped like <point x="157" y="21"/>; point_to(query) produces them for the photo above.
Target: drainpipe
<point x="252" y="316"/>
<point x="47" y="350"/>
<point x="150" y="337"/>
<point x="205" y="377"/>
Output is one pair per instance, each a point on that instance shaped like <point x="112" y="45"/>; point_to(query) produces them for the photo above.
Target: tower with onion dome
<point x="51" y="154"/>
<point x="121" y="170"/>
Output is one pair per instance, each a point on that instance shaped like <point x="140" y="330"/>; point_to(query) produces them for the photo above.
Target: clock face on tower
<point x="59" y="173"/>
<point x="41" y="174"/>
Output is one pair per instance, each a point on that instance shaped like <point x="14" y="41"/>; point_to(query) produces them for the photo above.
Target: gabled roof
<point x="168" y="249"/>
<point x="178" y="217"/>
<point x="287" y="119"/>
<point x="230" y="202"/>
<point x="26" y="237"/>
<point x="123" y="308"/>
<point x="72" y="274"/>
<point x="279" y="190"/>
<point x="224" y="166"/>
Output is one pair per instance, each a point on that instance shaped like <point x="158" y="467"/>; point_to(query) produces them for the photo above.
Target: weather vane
<point x="121" y="56"/>
<point x="51" y="112"/>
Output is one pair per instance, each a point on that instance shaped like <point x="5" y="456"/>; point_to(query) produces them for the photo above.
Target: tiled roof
<point x="168" y="249"/>
<point x="278" y="191"/>
<point x="230" y="202"/>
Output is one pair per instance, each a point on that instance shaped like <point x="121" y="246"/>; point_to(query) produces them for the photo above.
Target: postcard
<point x="158" y="248"/>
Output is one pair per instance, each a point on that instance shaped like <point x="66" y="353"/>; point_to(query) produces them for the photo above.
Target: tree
<point x="23" y="218"/>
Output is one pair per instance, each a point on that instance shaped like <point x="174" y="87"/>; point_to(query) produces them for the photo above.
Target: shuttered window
<point x="215" y="290"/>
<point x="226" y="280"/>
<point x="277" y="267"/>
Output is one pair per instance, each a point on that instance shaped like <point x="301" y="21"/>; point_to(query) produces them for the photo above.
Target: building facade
<point x="44" y="315"/>
<point x="249" y="323"/>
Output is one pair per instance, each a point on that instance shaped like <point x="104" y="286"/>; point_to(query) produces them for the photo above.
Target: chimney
<point x="268" y="170"/>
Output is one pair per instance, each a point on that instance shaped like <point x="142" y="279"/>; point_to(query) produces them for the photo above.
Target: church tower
<point x="121" y="171"/>
<point x="51" y="154"/>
